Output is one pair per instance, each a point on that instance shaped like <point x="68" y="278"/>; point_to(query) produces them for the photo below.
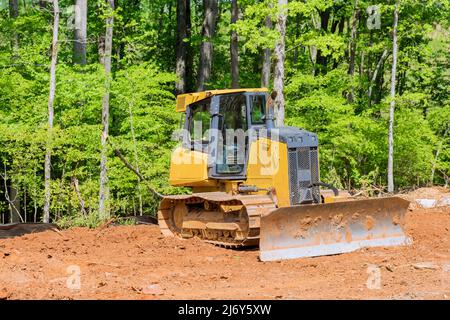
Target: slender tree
<point x="104" y="190"/>
<point x="80" y="32"/>
<point x="278" y="82"/>
<point x="80" y="198"/>
<point x="321" y="59"/>
<point x="375" y="75"/>
<point x="14" y="203"/>
<point x="234" y="46"/>
<point x="352" y="51"/>
<point x="266" y="59"/>
<point x="182" y="46"/>
<point x="51" y="99"/>
<point x="13" y="14"/>
<point x="211" y="10"/>
<point x="392" y="104"/>
<point x="13" y="190"/>
<point x="436" y="156"/>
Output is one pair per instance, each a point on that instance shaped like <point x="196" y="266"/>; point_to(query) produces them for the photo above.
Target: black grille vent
<point x="293" y="179"/>
<point x="315" y="176"/>
<point x="303" y="171"/>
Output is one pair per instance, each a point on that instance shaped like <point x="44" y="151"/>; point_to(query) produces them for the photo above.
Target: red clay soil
<point x="136" y="262"/>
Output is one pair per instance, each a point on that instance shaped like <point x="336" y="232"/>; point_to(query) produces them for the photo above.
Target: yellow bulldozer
<point x="257" y="184"/>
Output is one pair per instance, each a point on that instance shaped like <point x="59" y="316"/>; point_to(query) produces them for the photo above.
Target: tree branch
<point x="77" y="190"/>
<point x="136" y="172"/>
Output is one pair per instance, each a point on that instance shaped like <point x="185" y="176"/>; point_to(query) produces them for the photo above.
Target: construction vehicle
<point x="256" y="184"/>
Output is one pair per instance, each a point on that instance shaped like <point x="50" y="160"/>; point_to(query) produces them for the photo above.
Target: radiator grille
<point x="293" y="179"/>
<point x="303" y="171"/>
<point x="315" y="176"/>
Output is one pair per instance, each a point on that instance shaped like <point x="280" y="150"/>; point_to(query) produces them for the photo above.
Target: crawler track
<point x="215" y="217"/>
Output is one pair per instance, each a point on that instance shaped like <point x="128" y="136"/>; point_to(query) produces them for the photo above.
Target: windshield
<point x="232" y="127"/>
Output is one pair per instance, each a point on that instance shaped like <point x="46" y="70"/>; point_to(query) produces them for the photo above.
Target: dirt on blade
<point x="137" y="262"/>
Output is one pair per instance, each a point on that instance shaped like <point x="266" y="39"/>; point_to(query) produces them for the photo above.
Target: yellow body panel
<point x="189" y="168"/>
<point x="268" y="168"/>
<point x="183" y="100"/>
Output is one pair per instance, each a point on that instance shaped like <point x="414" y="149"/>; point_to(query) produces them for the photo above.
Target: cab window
<point x="233" y="112"/>
<point x="258" y="111"/>
<point x="199" y="123"/>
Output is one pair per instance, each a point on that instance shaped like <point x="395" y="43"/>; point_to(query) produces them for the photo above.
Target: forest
<point x="81" y="79"/>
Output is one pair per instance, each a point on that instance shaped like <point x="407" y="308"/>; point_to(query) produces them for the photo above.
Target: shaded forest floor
<point x="136" y="262"/>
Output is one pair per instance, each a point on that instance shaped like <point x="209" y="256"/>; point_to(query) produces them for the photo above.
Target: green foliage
<point x="89" y="221"/>
<point x="414" y="145"/>
<point x="253" y="30"/>
<point x="352" y="132"/>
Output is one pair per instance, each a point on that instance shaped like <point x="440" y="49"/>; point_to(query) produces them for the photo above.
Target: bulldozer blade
<point x="332" y="228"/>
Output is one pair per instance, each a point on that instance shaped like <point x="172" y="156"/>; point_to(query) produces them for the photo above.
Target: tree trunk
<point x="135" y="149"/>
<point x="297" y="34"/>
<point x="12" y="197"/>
<point x="265" y="73"/>
<point x="436" y="158"/>
<point x="25" y="205"/>
<point x="80" y="32"/>
<point x="51" y="99"/>
<point x="375" y="75"/>
<point x="13" y="14"/>
<point x="14" y="204"/>
<point x="339" y="26"/>
<point x="80" y="198"/>
<point x="101" y="49"/>
<point x="392" y="104"/>
<point x="322" y="60"/>
<point x="190" y="79"/>
<point x="34" y="198"/>
<point x="379" y="85"/>
<point x="183" y="34"/>
<point x="352" y="55"/>
<point x="211" y="10"/>
<point x="234" y="46"/>
<point x="278" y="82"/>
<point x="103" y="207"/>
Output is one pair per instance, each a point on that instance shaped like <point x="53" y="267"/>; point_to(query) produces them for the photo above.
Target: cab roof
<point x="183" y="100"/>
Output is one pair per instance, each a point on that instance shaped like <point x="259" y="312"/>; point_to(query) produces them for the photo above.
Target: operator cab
<point x="219" y="125"/>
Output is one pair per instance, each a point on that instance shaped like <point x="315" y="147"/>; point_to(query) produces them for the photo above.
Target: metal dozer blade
<point x="332" y="228"/>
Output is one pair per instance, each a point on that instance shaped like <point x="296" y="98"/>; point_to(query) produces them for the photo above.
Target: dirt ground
<point x="136" y="262"/>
